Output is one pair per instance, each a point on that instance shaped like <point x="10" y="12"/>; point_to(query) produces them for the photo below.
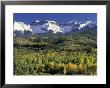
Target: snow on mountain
<point x="37" y="21"/>
<point x="20" y="26"/>
<point x="39" y="27"/>
<point x="72" y="22"/>
<point x="70" y="26"/>
<point x="45" y="26"/>
<point x="84" y="24"/>
<point x="52" y="25"/>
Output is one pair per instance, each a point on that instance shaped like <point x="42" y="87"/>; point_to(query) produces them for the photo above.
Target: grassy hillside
<point x="56" y="54"/>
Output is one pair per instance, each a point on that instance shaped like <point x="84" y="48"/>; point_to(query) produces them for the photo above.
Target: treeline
<point x="39" y="46"/>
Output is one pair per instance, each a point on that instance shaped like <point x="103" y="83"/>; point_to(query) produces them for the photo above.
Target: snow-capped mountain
<point x="45" y="26"/>
<point x="84" y="24"/>
<point x="20" y="26"/>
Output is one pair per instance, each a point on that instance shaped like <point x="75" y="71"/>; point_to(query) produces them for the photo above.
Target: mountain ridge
<point x="46" y="26"/>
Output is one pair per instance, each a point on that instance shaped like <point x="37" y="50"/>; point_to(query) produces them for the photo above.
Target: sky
<point x="28" y="18"/>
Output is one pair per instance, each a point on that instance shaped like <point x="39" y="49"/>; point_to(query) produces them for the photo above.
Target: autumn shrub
<point x="59" y="68"/>
<point x="71" y="69"/>
<point x="81" y="68"/>
<point x="49" y="67"/>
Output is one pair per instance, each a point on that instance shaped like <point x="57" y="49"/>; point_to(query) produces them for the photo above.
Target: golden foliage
<point x="71" y="68"/>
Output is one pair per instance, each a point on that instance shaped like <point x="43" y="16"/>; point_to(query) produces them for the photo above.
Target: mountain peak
<point x="82" y="25"/>
<point x="20" y="26"/>
<point x="44" y="26"/>
<point x="52" y="25"/>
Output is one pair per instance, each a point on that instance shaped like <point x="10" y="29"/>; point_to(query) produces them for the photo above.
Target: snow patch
<point x="52" y="25"/>
<point x="20" y="26"/>
<point x="84" y="24"/>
